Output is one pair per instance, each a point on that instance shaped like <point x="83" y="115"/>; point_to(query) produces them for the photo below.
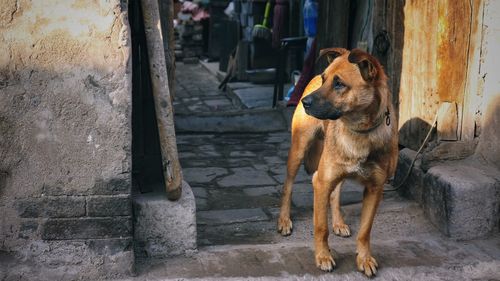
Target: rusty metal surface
<point x="437" y="38"/>
<point x="453" y="41"/>
<point x="418" y="95"/>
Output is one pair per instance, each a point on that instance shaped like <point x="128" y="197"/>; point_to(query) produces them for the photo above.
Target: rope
<point x="414" y="158"/>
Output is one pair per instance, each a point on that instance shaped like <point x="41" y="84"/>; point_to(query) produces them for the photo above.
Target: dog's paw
<point x="325" y="262"/>
<point x="285" y="226"/>
<point x="342" y="230"/>
<point x="368" y="265"/>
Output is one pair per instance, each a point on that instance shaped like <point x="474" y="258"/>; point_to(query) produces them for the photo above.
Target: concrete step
<point x="250" y="95"/>
<point x="411" y="258"/>
<point x="235" y="121"/>
<point x="405" y="244"/>
<point x="245" y="94"/>
<point x="461" y="198"/>
<point x="213" y="68"/>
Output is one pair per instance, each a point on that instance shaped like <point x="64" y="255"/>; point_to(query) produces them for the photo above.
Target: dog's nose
<point x="307" y="101"/>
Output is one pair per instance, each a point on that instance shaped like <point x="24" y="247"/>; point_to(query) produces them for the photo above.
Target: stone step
<point x="164" y="228"/>
<point x="461" y="198"/>
<point x="415" y="258"/>
<point x="250" y="95"/>
<point x="213" y="68"/>
<point x="236" y="121"/>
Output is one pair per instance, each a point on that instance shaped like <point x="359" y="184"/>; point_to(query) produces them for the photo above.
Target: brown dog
<point x="345" y="127"/>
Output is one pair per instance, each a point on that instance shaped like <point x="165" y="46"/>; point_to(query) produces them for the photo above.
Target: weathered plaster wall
<point x="65" y="137"/>
<point x="489" y="140"/>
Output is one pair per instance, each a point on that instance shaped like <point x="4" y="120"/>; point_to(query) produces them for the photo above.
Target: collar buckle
<point x="387" y="117"/>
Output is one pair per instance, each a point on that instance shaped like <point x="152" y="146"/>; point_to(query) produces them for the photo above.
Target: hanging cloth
<point x="305" y="77"/>
<point x="280" y="22"/>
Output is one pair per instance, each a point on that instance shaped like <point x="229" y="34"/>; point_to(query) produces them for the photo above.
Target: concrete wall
<point x="489" y="75"/>
<point x="65" y="137"/>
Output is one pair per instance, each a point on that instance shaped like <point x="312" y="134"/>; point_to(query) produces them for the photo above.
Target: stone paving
<point x="196" y="91"/>
<point x="236" y="179"/>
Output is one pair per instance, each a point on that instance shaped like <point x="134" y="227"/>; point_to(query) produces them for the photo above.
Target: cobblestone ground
<point x="196" y="91"/>
<point x="236" y="179"/>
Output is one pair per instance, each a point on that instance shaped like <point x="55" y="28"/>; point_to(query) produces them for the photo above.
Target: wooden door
<point x="435" y="65"/>
<point x="388" y="37"/>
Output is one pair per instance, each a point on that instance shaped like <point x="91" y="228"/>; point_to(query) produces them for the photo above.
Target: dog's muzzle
<point x="320" y="109"/>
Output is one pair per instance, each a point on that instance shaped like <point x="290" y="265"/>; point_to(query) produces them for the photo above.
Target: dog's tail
<point x="313" y="154"/>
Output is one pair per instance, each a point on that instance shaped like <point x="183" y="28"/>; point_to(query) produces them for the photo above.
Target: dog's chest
<point x="353" y="154"/>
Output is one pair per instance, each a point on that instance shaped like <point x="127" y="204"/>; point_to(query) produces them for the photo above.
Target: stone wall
<point x="65" y="137"/>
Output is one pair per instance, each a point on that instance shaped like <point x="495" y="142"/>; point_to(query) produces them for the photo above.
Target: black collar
<point x="387" y="115"/>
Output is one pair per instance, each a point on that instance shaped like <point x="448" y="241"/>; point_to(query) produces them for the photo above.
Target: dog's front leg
<point x="302" y="136"/>
<point x="322" y="191"/>
<point x="364" y="260"/>
<point x="339" y="226"/>
<point x="295" y="156"/>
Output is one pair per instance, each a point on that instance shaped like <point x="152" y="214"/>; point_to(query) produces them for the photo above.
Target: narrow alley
<point x="235" y="176"/>
<point x="149" y="140"/>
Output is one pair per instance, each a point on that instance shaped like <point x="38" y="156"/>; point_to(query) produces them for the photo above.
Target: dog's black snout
<point x="307" y="101"/>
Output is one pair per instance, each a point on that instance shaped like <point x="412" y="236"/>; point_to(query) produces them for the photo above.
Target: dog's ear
<point x="331" y="53"/>
<point x="368" y="65"/>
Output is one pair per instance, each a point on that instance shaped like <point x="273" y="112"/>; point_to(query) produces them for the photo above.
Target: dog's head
<point x="350" y="85"/>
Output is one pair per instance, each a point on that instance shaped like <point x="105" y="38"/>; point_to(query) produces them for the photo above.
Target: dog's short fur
<point x="345" y="127"/>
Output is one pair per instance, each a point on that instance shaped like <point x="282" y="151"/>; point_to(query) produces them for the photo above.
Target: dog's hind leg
<point x="340" y="228"/>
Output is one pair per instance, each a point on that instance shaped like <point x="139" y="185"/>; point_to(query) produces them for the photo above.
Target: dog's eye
<point x="337" y="85"/>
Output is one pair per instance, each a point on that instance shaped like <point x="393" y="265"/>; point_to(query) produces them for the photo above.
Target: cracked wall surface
<point x="65" y="134"/>
<point x="489" y="75"/>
